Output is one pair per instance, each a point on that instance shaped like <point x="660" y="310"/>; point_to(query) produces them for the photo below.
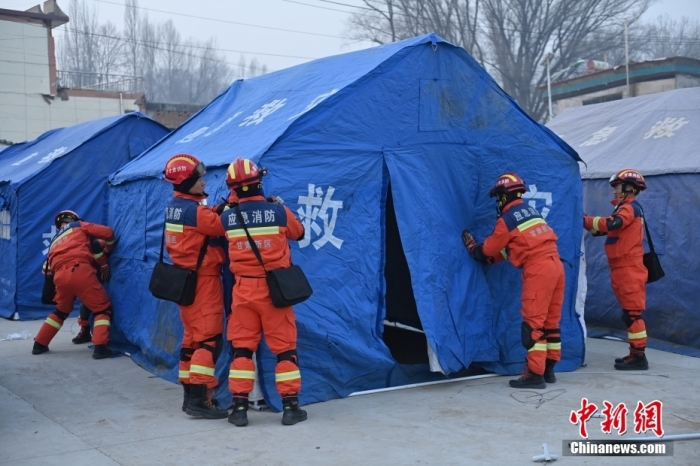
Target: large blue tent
<point x="386" y="155"/>
<point x="657" y="135"/>
<point x="65" y="168"/>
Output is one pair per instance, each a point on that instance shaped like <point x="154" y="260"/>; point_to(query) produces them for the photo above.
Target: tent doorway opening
<point x="403" y="331"/>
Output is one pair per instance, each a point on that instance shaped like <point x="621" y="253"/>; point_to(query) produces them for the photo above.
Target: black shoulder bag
<point x="48" y="291"/>
<point x="173" y="283"/>
<point x="287" y="286"/>
<point x="651" y="260"/>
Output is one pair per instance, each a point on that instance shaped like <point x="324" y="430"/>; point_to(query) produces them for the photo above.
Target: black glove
<point x="219" y="208"/>
<point x="469" y="241"/>
<point x="105" y="273"/>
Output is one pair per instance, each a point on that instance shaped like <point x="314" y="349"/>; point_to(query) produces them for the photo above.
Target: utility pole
<point x="545" y="62"/>
<point x="627" y="61"/>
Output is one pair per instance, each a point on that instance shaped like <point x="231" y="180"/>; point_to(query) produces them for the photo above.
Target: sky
<point x="279" y="33"/>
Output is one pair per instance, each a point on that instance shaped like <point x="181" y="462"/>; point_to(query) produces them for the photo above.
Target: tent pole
<point x="422" y="384"/>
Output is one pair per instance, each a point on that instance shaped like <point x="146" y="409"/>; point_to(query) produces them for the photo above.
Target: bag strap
<point x="253" y="246"/>
<point x="202" y="251"/>
<point x="162" y="244"/>
<point x="646" y="228"/>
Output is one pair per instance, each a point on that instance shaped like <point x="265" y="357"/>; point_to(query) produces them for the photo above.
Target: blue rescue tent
<point x="658" y="135"/>
<point x="65" y="168"/>
<point x="386" y="155"/>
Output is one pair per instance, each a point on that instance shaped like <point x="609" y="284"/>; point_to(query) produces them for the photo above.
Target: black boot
<point x="200" y="404"/>
<point x="239" y="415"/>
<point x="83" y="336"/>
<point x="186" y="397"/>
<point x="39" y="348"/>
<point x="102" y="352"/>
<point x="292" y="412"/>
<point x="622" y="359"/>
<point x="528" y="380"/>
<point x="549" y="376"/>
<point x="636" y="361"/>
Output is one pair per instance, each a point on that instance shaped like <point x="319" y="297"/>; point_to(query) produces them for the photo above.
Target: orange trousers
<point x="542" y="299"/>
<point x="252" y="315"/>
<point x="629" y="286"/>
<point x="202" y="320"/>
<point x="77" y="280"/>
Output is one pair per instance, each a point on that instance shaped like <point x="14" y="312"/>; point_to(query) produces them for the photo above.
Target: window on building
<point x="5" y="221"/>
<point x="603" y="98"/>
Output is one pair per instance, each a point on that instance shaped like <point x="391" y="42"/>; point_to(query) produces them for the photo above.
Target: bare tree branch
<point x="508" y="37"/>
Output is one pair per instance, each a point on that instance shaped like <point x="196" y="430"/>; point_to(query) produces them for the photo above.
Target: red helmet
<point x="65" y="216"/>
<point x="508" y="183"/>
<point x="180" y="167"/>
<point x="243" y="172"/>
<point x="630" y="176"/>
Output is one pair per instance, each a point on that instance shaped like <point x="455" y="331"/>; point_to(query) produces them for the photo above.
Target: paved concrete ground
<point x="64" y="408"/>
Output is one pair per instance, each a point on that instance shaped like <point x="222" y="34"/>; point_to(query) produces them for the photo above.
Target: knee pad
<point x="61" y="315"/>
<point x="186" y="354"/>
<point x="628" y="319"/>
<point x="526" y="336"/>
<point x="107" y="312"/>
<point x="84" y="312"/>
<point x="242" y="353"/>
<point x="553" y="335"/>
<point x="215" y="347"/>
<point x="290" y="355"/>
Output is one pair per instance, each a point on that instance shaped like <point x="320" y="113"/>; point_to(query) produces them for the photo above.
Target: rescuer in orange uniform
<point x="73" y="266"/>
<point x="97" y="246"/>
<point x="624" y="247"/>
<point x="188" y="227"/>
<point x="523" y="236"/>
<point x="270" y="224"/>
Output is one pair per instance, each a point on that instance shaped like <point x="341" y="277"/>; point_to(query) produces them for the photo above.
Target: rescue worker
<point x="270" y="224"/>
<point x="189" y="225"/>
<point x="73" y="266"/>
<point x="522" y="236"/>
<point x="624" y="231"/>
<point x="99" y="252"/>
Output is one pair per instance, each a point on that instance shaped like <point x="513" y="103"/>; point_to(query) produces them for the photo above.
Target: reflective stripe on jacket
<point x="72" y="243"/>
<point x="270" y="225"/>
<point x="187" y="226"/>
<point x="624" y="245"/>
<point x="524" y="233"/>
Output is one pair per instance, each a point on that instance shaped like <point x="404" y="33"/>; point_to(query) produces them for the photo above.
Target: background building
<point x="647" y="77"/>
<point x="35" y="96"/>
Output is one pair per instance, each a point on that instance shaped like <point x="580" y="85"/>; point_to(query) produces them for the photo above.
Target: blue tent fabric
<point x="419" y="118"/>
<point x="65" y="168"/>
<point x="657" y="135"/>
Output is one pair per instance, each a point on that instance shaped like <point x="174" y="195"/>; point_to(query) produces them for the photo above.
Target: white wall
<point x="636" y="89"/>
<point x="25" y="113"/>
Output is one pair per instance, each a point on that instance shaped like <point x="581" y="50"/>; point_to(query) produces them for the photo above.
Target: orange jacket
<point x="72" y="243"/>
<point x="624" y="230"/>
<point x="521" y="235"/>
<point x="187" y="226"/>
<point x="269" y="225"/>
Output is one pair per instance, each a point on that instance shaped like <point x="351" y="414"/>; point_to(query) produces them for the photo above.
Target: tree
<point x="665" y="37"/>
<point x="509" y="38"/>
<point x="173" y="70"/>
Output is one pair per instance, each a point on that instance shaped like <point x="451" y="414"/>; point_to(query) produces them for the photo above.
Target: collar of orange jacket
<point x="194" y="197"/>
<point x="511" y="205"/>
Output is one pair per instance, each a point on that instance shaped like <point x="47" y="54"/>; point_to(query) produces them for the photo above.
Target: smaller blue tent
<point x="658" y="135"/>
<point x="65" y="168"/>
<point x="386" y="155"/>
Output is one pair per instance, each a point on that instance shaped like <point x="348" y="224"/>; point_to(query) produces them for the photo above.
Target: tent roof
<point x="22" y="162"/>
<point x="280" y="99"/>
<point x="655" y="134"/>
